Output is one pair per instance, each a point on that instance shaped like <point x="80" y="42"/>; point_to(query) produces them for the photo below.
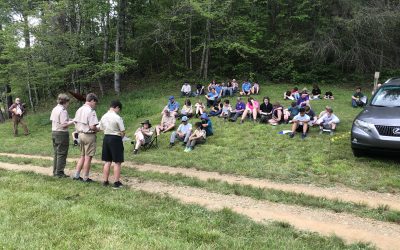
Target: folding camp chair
<point x="152" y="142"/>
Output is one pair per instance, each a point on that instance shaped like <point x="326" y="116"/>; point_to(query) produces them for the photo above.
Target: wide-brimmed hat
<point x="146" y="122"/>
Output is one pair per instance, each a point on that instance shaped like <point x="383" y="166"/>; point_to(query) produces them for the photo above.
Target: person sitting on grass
<point x="312" y="115"/>
<point x="212" y="98"/>
<point x="172" y="106"/>
<point x="265" y="110"/>
<point x="167" y="123"/>
<point x="329" y="95"/>
<point x="182" y="133"/>
<point x="303" y="100"/>
<point x="226" y="110"/>
<point x="199" y="89"/>
<point x="187" y="109"/>
<point x="328" y="121"/>
<point x="216" y="109"/>
<point x="278" y="116"/>
<point x="228" y="89"/>
<point x="186" y="89"/>
<point x="200" y="108"/>
<point x="288" y="95"/>
<point x="358" y="99"/>
<point x="235" y="86"/>
<point x="295" y="93"/>
<point x="198" y="136"/>
<point x="315" y="92"/>
<point x="292" y="111"/>
<point x="252" y="108"/>
<point x="206" y="124"/>
<point x="143" y="135"/>
<point x="211" y="86"/>
<point x="255" y="89"/>
<point x="218" y="90"/>
<point x="246" y="88"/>
<point x="300" y="124"/>
<point x="238" y="111"/>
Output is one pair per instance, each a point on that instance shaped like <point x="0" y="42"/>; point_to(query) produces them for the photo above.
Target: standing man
<point x="17" y="110"/>
<point x="86" y="125"/>
<point x="60" y="135"/>
<point x="113" y="149"/>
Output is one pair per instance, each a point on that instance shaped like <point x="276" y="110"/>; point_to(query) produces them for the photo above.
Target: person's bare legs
<point x="79" y="166"/>
<point x="86" y="166"/>
<point x="294" y="126"/>
<point x="305" y="128"/>
<point x="255" y="114"/>
<point x="106" y="170"/>
<point x="244" y="115"/>
<point x="117" y="171"/>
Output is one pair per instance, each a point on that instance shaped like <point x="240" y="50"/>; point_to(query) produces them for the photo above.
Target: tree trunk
<point x="28" y="58"/>
<point x="190" y="40"/>
<point x="206" y="59"/>
<point x="117" y="75"/>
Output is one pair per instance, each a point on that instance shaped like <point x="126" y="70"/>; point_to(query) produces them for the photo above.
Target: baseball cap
<point x="171" y="97"/>
<point x="184" y="118"/>
<point x="204" y="116"/>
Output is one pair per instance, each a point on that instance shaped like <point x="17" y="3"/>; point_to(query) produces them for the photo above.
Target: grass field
<point x="43" y="212"/>
<point x="255" y="150"/>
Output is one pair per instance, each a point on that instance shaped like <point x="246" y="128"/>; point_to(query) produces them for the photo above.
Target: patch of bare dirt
<point x="348" y="227"/>
<point x="370" y="198"/>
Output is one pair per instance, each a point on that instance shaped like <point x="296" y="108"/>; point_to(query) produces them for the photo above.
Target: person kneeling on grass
<point x="143" y="135"/>
<point x="328" y="121"/>
<point x="182" y="133"/>
<point x="300" y="124"/>
<point x="113" y="149"/>
<point x="198" y="136"/>
<point x="167" y="123"/>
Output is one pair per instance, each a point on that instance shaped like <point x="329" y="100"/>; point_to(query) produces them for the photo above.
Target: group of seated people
<point x="295" y="94"/>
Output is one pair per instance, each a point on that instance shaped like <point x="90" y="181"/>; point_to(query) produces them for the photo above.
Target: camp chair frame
<point x="153" y="143"/>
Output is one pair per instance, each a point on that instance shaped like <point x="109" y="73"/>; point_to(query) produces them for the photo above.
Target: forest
<point x="48" y="46"/>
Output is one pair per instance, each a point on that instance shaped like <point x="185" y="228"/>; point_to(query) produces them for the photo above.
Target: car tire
<point x="358" y="152"/>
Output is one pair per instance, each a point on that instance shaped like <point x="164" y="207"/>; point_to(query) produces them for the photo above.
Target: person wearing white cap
<point x="182" y="133"/>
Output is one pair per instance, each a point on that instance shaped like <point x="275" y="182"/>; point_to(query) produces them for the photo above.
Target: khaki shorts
<point x="87" y="144"/>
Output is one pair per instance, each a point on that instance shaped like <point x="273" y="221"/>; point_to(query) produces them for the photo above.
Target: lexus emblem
<point x="396" y="131"/>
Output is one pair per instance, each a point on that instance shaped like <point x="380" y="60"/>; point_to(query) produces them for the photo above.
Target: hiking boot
<point x="88" y="180"/>
<point x="303" y="136"/>
<point x="62" y="175"/>
<point x="77" y="178"/>
<point x="117" y="184"/>
<point x="291" y="135"/>
<point x="106" y="183"/>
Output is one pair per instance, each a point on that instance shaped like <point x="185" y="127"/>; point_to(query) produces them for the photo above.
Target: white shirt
<point x="112" y="123"/>
<point x="185" y="128"/>
<point x="186" y="88"/>
<point x="85" y="117"/>
<point x="58" y="117"/>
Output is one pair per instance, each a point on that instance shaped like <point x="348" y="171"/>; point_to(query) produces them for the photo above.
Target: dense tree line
<point x="47" y="45"/>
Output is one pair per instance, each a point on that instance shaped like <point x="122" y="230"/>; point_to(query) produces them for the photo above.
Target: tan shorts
<point x="88" y="144"/>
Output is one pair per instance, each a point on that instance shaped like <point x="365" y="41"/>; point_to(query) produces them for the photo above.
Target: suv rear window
<point x="387" y="96"/>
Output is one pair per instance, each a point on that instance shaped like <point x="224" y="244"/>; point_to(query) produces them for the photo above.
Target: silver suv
<point x="377" y="127"/>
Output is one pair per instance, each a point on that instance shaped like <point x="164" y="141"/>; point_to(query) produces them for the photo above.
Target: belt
<point x="89" y="133"/>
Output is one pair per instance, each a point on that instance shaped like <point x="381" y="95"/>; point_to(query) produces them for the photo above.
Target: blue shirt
<point x="218" y="89"/>
<point x="173" y="106"/>
<point x="293" y="111"/>
<point x="212" y="96"/>
<point x="240" y="106"/>
<point x="246" y="86"/>
<point x="208" y="129"/>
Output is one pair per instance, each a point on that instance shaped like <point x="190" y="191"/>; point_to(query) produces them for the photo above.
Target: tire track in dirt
<point x="370" y="198"/>
<point x="350" y="228"/>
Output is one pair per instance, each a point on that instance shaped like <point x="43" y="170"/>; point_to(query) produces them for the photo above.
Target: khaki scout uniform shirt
<point x="84" y="118"/>
<point x="59" y="116"/>
<point x="112" y="123"/>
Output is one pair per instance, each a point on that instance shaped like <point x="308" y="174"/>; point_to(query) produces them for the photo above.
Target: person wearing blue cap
<point x="206" y="124"/>
<point x="182" y="133"/>
<point x="172" y="107"/>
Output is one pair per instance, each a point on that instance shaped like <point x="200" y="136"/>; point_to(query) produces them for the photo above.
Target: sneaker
<point x="77" y="178"/>
<point x="88" y="180"/>
<point x="186" y="149"/>
<point x="291" y="135"/>
<point x="135" y="152"/>
<point x="189" y="149"/>
<point x="106" y="183"/>
<point x="117" y="184"/>
<point x="303" y="136"/>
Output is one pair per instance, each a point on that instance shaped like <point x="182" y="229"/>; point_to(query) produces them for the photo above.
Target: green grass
<point x="251" y="150"/>
<point x="43" y="212"/>
<point x="381" y="213"/>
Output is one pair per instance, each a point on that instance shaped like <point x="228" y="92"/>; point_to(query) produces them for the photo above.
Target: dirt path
<point x="348" y="227"/>
<point x="370" y="198"/>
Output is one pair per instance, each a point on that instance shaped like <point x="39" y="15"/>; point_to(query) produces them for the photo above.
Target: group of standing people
<point x="87" y="126"/>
